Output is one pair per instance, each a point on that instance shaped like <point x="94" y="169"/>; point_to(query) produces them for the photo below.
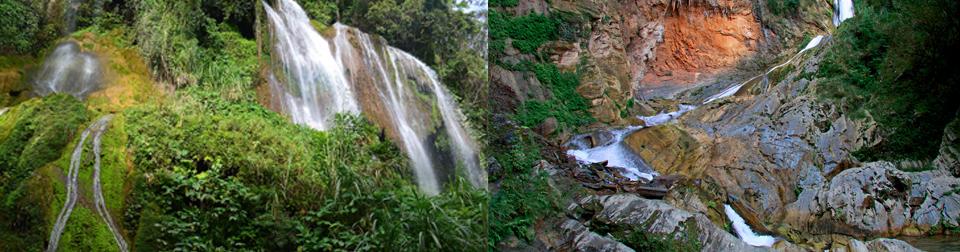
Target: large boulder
<point x="667" y="149"/>
<point x="877" y="199"/>
<point x="622" y="214"/>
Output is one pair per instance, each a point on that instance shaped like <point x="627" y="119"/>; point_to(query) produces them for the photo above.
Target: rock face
<point x="949" y="158"/>
<point x="627" y="49"/>
<point x="668" y="148"/>
<point x="877" y="199"/>
<point x="701" y="40"/>
<point x="788" y="157"/>
<point x="616" y="213"/>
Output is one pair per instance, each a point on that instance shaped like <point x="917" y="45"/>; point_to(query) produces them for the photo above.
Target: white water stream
<point x="616" y="153"/>
<point x="733" y="89"/>
<point x="97" y="129"/>
<point x="744" y="232"/>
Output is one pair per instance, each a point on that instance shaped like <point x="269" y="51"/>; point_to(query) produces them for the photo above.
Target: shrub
<point x="503" y="3"/>
<point x="523" y="196"/>
<point x="905" y="80"/>
<point x="566" y="105"/>
<point x="527" y="32"/>
<point x="234" y="176"/>
<point x="19" y="25"/>
<point x="784" y="7"/>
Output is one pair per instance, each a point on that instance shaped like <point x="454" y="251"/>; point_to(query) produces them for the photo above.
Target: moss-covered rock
<point x="32" y="135"/>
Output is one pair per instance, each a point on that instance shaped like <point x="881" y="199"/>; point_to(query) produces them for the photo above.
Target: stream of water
<point x="98" y="200"/>
<point x="744" y="232"/>
<point x="97" y="129"/>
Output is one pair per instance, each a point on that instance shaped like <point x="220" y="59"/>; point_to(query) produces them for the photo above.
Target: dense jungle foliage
<point x="194" y="162"/>
<point x="906" y="81"/>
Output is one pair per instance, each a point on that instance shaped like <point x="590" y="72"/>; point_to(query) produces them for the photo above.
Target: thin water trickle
<point x="97" y="129"/>
<point x="733" y="89"/>
<point x="99" y="202"/>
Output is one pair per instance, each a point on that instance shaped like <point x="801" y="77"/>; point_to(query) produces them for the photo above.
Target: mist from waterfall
<point x="317" y="77"/>
<point x="68" y="70"/>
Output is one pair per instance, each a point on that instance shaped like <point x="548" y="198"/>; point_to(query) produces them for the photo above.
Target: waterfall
<point x="97" y="129"/>
<point x="733" y="89"/>
<point x="317" y="77"/>
<point x="68" y="70"/>
<point x="452" y="120"/>
<point x="70" y="15"/>
<point x="744" y="232"/>
<point x="316" y="87"/>
<point x="842" y="10"/>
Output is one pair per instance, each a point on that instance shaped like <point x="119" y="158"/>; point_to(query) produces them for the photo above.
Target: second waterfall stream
<point x="315" y="77"/>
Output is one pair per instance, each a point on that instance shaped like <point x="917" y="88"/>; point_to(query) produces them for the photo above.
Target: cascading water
<point x="744" y="232"/>
<point x="616" y="153"/>
<point x="97" y="129"/>
<point x="68" y="70"/>
<point x="733" y="89"/>
<point x="842" y="10"/>
<point x="394" y="89"/>
<point x="317" y="88"/>
<point x="452" y="120"/>
<point x="98" y="201"/>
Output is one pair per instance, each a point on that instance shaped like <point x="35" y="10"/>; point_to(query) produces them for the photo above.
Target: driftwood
<point x="609" y="180"/>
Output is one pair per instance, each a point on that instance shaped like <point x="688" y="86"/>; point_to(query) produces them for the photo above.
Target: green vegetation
<point x="192" y="42"/>
<point x="784" y="7"/>
<point x="641" y="240"/>
<point x="686" y="238"/>
<point x="234" y="176"/>
<point x="523" y="197"/>
<point x="566" y="105"/>
<point x="32" y="135"/>
<point x="39" y="133"/>
<point x="18" y="26"/>
<point x="527" y="32"/>
<point x="905" y="80"/>
<point x="503" y="3"/>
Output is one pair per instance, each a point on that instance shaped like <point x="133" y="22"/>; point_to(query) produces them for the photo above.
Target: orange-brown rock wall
<point x="698" y="41"/>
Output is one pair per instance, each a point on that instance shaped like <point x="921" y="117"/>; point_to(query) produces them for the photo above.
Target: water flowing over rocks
<point x="624" y="211"/>
<point x="349" y="71"/>
<point x="97" y="129"/>
<point x="68" y="70"/>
